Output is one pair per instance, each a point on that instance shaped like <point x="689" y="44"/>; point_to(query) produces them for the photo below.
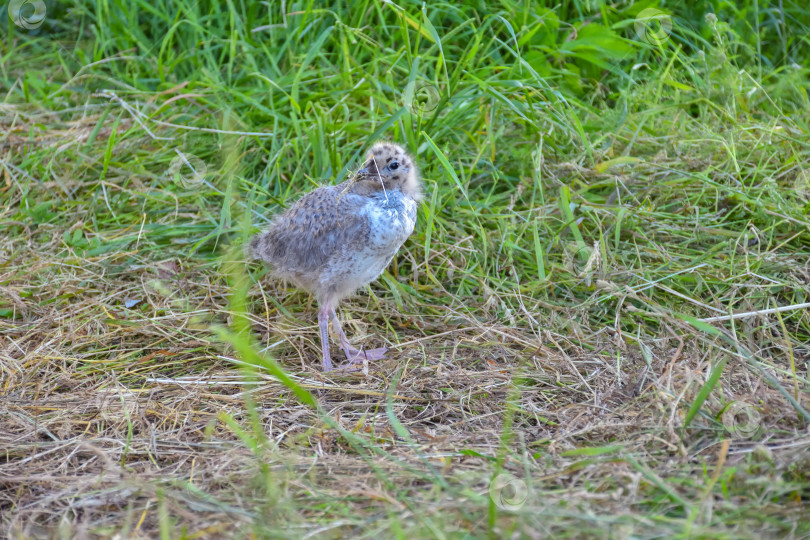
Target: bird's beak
<point x="369" y="169"/>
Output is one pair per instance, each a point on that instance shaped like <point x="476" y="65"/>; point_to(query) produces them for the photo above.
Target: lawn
<point x="600" y="327"/>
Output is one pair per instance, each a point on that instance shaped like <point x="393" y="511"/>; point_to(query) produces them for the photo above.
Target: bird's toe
<point x="371" y="355"/>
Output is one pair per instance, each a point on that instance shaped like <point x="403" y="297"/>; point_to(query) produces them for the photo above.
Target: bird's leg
<point x="323" y="326"/>
<point x="344" y="341"/>
<point x="354" y="355"/>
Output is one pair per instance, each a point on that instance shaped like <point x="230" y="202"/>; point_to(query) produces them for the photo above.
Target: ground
<point x="572" y="348"/>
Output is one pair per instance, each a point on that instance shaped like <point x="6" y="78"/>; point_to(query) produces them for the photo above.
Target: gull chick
<point x="337" y="239"/>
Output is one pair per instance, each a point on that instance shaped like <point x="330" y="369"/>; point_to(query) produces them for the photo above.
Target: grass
<point x="569" y="350"/>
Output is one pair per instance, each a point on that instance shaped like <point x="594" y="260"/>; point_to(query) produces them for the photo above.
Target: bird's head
<point x="388" y="166"/>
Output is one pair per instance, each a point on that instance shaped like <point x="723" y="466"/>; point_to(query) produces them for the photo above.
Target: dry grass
<point x="115" y="415"/>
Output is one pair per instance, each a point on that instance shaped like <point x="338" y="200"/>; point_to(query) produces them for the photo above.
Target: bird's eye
<point x="393" y="166"/>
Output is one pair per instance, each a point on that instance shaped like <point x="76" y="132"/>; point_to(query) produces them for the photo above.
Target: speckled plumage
<point x="337" y="239"/>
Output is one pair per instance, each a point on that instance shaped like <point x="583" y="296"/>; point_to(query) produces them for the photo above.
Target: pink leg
<point x="354" y="356"/>
<point x="323" y="326"/>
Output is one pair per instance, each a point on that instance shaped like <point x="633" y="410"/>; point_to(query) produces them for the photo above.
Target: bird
<point x="339" y="238"/>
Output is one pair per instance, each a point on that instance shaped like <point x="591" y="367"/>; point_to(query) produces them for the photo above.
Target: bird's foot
<point x="356" y="357"/>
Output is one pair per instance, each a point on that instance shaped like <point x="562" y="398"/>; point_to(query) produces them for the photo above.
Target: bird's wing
<point x="313" y="230"/>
